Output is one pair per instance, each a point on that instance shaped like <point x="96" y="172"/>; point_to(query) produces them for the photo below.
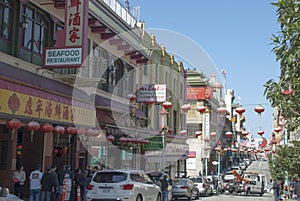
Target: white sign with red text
<point x="149" y="92"/>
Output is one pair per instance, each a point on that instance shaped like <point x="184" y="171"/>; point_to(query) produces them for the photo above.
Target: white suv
<point x="122" y="185"/>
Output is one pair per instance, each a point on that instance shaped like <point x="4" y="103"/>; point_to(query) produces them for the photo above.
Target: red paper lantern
<point x="90" y="132"/>
<point x="260" y="132"/>
<point x="110" y="138"/>
<point x="167" y="104"/>
<point x="219" y="142"/>
<point x="244" y="133"/>
<point x="228" y="134"/>
<point x="132" y="97"/>
<point x="81" y="131"/>
<point x="46" y="128"/>
<point x="183" y="132"/>
<point x="201" y="109"/>
<point x="58" y="130"/>
<point x="278" y="129"/>
<point x="222" y="110"/>
<point x="32" y="126"/>
<point x="122" y="139"/>
<point x="70" y="130"/>
<point x="234" y="150"/>
<point x="213" y="134"/>
<point x="225" y="149"/>
<point x="198" y="133"/>
<point x="217" y="149"/>
<point x="206" y="139"/>
<point x="186" y="107"/>
<point x="13" y="124"/>
<point x="54" y="151"/>
<point x="259" y="109"/>
<point x="150" y="102"/>
<point x="147" y="141"/>
<point x="207" y="148"/>
<point x="240" y="110"/>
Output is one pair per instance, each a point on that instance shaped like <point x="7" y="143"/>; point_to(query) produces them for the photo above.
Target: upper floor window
<point x="100" y="62"/>
<point x="36" y="33"/>
<point x="6" y="19"/>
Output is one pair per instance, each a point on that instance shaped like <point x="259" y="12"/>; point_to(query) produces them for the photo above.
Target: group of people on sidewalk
<point x="53" y="185"/>
<point x="283" y="192"/>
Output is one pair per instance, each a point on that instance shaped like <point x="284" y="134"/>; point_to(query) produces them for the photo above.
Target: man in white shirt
<point x="35" y="184"/>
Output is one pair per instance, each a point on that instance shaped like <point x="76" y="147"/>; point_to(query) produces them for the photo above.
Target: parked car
<point x="156" y="176"/>
<point x="209" y="181"/>
<point x="243" y="165"/>
<point x="131" y="185"/>
<point x="202" y="185"/>
<point x="184" y="187"/>
<point x="237" y="169"/>
<point x="229" y="176"/>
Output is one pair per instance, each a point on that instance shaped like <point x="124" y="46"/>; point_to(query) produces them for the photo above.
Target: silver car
<point x="185" y="187"/>
<point x="202" y="185"/>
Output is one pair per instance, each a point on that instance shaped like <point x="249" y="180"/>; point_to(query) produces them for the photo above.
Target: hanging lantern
<point x="46" y="128"/>
<point x="260" y="132"/>
<point x="198" y="133"/>
<point x="244" y="133"/>
<point x="282" y="121"/>
<point x="81" y="131"/>
<point x="201" y="109"/>
<point x="32" y="126"/>
<point x="122" y="139"/>
<point x="58" y="130"/>
<point x="132" y="97"/>
<point x="278" y="129"/>
<point x="183" y="132"/>
<point x="63" y="151"/>
<point x="222" y="110"/>
<point x="217" y="149"/>
<point x="167" y="104"/>
<point x="228" y="134"/>
<point x="240" y="110"/>
<point x="96" y="133"/>
<point x="213" y="134"/>
<point x="13" y="124"/>
<point x="259" y="109"/>
<point x="206" y="139"/>
<point x="149" y="102"/>
<point x="186" y="107"/>
<point x="147" y="141"/>
<point x="171" y="131"/>
<point x="219" y="142"/>
<point x="287" y="91"/>
<point x="70" y="130"/>
<point x="90" y="132"/>
<point x="234" y="150"/>
<point x="110" y="138"/>
<point x="225" y="149"/>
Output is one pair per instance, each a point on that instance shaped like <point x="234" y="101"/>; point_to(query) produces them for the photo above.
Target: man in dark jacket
<point x="48" y="183"/>
<point x="276" y="189"/>
<point x="164" y="188"/>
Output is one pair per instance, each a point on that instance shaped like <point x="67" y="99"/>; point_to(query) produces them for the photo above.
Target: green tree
<point x="284" y="93"/>
<point x="287" y="158"/>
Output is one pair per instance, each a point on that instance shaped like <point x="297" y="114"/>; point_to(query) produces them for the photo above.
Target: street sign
<point x="155" y="143"/>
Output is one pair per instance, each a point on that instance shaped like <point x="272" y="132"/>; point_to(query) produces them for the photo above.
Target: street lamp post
<point x="164" y="130"/>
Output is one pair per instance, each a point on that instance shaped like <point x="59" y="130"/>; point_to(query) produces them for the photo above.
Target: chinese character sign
<point x="74" y="22"/>
<point x="156" y="92"/>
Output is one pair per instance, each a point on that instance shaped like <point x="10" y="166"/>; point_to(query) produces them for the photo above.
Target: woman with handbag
<point x="19" y="179"/>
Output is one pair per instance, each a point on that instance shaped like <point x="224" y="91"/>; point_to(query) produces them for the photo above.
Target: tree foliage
<point x="287" y="158"/>
<point x="284" y="93"/>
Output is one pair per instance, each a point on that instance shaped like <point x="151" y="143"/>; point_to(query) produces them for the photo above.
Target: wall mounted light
<point x="24" y="24"/>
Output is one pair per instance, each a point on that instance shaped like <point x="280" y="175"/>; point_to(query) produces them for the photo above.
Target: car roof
<point x="119" y="170"/>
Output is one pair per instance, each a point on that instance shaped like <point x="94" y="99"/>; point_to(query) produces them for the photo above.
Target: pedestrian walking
<point x="164" y="188"/>
<point x="19" y="179"/>
<point x="82" y="181"/>
<point x="68" y="179"/>
<point x="55" y="192"/>
<point x="276" y="189"/>
<point x="297" y="190"/>
<point x="35" y="178"/>
<point x="48" y="185"/>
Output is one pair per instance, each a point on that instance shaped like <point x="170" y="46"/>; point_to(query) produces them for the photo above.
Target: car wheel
<point x="197" y="196"/>
<point x="139" y="198"/>
<point x="158" y="198"/>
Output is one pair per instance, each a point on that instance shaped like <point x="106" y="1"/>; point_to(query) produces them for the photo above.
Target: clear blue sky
<point x="236" y="36"/>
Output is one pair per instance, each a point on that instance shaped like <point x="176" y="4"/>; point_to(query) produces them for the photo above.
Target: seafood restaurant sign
<point x="152" y="92"/>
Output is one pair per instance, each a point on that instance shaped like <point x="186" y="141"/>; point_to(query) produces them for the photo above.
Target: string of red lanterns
<point x="32" y="126"/>
<point x="13" y="124"/>
<point x="201" y="109"/>
<point x="240" y="110"/>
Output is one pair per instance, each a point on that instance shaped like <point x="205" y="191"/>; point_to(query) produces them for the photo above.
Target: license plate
<point x="107" y="190"/>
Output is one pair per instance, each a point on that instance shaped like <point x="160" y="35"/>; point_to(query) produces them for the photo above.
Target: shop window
<point x="6" y="22"/>
<point x="100" y="62"/>
<point x="34" y="36"/>
<point x="3" y="154"/>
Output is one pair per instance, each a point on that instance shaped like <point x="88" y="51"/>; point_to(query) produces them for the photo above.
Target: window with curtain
<point x="35" y="35"/>
<point x="6" y="19"/>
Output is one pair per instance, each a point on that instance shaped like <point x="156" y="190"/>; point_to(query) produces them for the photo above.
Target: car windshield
<point x="197" y="180"/>
<point x="110" y="177"/>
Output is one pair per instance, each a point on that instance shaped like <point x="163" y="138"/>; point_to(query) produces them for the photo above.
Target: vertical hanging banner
<point x="73" y="54"/>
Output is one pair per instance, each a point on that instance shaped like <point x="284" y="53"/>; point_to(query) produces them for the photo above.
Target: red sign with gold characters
<point x="199" y="93"/>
